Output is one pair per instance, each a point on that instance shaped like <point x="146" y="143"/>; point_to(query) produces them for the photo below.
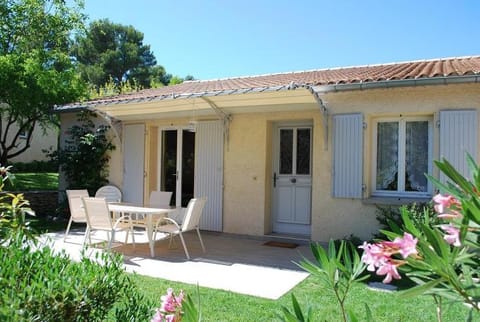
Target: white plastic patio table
<point x="148" y="212"/>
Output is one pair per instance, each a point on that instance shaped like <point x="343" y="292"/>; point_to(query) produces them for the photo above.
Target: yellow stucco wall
<point x="248" y="156"/>
<point x="40" y="141"/>
<point x="341" y="217"/>
<point x="247" y="172"/>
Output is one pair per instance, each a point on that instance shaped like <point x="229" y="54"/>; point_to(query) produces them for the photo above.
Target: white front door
<point x="292" y="180"/>
<point x="133" y="163"/>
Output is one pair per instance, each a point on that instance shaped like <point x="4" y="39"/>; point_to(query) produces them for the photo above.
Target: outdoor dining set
<point x="106" y="212"/>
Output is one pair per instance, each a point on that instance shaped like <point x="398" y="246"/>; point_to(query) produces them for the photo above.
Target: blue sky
<point x="212" y="39"/>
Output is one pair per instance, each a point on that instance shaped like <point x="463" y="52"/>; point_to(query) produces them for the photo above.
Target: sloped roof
<point x="426" y="69"/>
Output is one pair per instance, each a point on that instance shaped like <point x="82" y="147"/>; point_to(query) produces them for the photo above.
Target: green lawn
<point x="227" y="306"/>
<point x="33" y="181"/>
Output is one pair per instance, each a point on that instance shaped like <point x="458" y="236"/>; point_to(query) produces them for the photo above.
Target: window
<point x="402" y="155"/>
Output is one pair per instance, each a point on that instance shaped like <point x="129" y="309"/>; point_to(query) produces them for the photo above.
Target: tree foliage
<point x="114" y="52"/>
<point x="36" y="71"/>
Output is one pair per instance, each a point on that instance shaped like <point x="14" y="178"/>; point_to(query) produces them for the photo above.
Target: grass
<point x="33" y="181"/>
<point x="217" y="305"/>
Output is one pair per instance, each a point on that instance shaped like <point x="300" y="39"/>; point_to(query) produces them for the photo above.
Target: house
<point x="306" y="153"/>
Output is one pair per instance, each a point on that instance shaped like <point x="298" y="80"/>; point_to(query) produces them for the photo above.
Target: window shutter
<point x="209" y="172"/>
<point x="347" y="171"/>
<point x="458" y="135"/>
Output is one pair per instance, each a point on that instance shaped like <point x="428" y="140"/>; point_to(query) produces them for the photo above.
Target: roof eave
<point x="445" y="80"/>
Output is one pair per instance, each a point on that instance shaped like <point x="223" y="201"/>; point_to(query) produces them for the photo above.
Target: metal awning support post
<point x="115" y="125"/>
<point x="324" y="111"/>
<point x="225" y="117"/>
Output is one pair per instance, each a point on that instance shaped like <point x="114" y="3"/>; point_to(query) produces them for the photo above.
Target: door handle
<point x="293" y="180"/>
<point x="274" y="179"/>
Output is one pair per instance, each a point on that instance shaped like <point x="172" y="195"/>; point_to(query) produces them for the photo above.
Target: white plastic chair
<point x="99" y="218"/>
<point x="110" y="193"/>
<point x="158" y="199"/>
<point x="190" y="222"/>
<point x="77" y="212"/>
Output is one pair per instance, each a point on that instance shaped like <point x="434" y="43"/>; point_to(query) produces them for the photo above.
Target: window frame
<point x="400" y="192"/>
<point x="295" y="129"/>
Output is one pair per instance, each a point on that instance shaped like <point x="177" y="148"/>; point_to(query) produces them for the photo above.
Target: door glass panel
<point x="387" y="156"/>
<point x="303" y="151"/>
<point x="169" y="162"/>
<point x="286" y="151"/>
<point x="416" y="156"/>
<point x="188" y="166"/>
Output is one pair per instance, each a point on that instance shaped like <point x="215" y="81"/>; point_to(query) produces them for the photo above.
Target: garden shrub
<point x="85" y="158"/>
<point x="419" y="213"/>
<point x="40" y="286"/>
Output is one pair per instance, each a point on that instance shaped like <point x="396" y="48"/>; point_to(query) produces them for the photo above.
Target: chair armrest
<point x="123" y="218"/>
<point x="168" y="220"/>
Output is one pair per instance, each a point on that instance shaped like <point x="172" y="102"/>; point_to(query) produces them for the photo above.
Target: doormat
<point x="280" y="244"/>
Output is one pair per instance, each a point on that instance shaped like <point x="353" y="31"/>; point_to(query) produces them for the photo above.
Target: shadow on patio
<point x="224" y="249"/>
<point x="234" y="263"/>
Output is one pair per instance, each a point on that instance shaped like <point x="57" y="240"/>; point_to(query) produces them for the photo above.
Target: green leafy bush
<point x="419" y="213"/>
<point x="85" y="159"/>
<point x="338" y="268"/>
<point x="13" y="211"/>
<point x="40" y="286"/>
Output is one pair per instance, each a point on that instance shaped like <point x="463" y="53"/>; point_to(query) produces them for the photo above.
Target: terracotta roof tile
<point x="446" y="67"/>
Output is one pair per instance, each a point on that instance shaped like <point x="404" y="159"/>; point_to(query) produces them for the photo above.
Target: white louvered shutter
<point x="133" y="163"/>
<point x="347" y="139"/>
<point x="458" y="136"/>
<point x="209" y="172"/>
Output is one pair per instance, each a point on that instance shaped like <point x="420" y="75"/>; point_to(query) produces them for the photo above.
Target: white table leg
<point x="149" y="229"/>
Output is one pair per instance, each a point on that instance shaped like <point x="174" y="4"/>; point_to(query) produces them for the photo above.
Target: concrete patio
<point x="234" y="263"/>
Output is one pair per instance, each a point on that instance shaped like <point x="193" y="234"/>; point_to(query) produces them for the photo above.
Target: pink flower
<point x="379" y="256"/>
<point x="157" y="317"/>
<point x="406" y="245"/>
<point x="453" y="235"/>
<point x="170" y="309"/>
<point x="446" y="206"/>
<point x="373" y="255"/>
<point x="179" y="298"/>
<point x="171" y="318"/>
<point x="168" y="302"/>
<point x="454" y="214"/>
<point x="442" y="202"/>
<point x="390" y="270"/>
